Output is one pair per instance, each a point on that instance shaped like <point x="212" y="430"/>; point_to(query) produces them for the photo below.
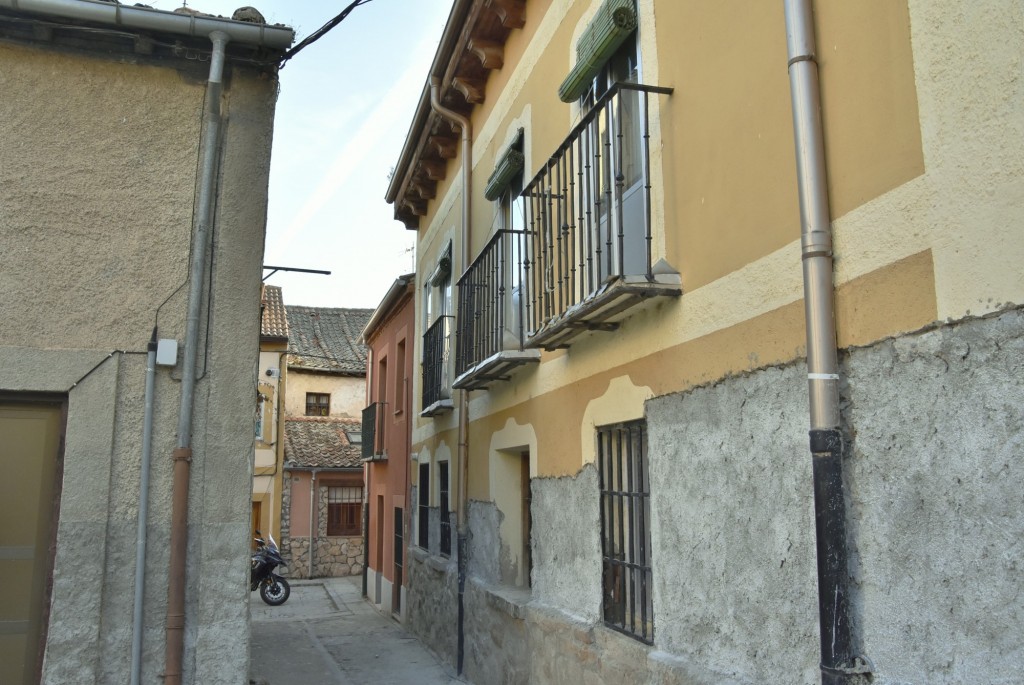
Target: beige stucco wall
<point x="97" y="183"/>
<point x="348" y="393"/>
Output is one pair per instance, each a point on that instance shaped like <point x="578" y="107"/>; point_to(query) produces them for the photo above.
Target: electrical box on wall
<point x="167" y="352"/>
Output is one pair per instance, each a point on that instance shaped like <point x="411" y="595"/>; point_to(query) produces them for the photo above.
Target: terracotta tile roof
<point x="274" y="323"/>
<point x="321" y="442"/>
<point x="326" y="339"/>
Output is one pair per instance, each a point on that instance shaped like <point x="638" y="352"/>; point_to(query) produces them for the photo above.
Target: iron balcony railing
<point x="490" y="302"/>
<point x="436" y="347"/>
<point x="589" y="208"/>
<point x="373" y="430"/>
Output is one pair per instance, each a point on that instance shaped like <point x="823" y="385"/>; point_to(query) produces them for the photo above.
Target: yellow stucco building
<point x="612" y="478"/>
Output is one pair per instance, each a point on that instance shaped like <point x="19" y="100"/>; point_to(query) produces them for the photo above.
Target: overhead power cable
<point x="320" y="32"/>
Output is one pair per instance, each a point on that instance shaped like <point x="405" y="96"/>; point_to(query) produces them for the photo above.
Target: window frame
<point x="321" y="400"/>
<point x="344" y="510"/>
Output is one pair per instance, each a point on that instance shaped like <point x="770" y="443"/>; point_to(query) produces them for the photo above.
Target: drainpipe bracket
<point x="816" y="244"/>
<point x="182" y="454"/>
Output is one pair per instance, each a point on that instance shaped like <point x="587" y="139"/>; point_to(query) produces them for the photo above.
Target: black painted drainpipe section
<point x="462" y="604"/>
<point x="830" y="533"/>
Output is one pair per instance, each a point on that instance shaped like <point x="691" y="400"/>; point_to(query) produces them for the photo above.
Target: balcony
<point x="373" y="433"/>
<point x="436" y="384"/>
<point x="489" y="339"/>
<point x="588" y="263"/>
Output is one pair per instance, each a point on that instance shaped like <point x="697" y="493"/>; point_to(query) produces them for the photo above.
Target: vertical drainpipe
<point x="141" y="536"/>
<point x="838" y="664"/>
<point x="182" y="455"/>
<point x="312" y="510"/>
<point x="463" y="451"/>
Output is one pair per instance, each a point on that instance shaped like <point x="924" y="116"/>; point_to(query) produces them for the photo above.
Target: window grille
<point x="625" y="529"/>
<point x="446" y="522"/>
<point x="423" y="510"/>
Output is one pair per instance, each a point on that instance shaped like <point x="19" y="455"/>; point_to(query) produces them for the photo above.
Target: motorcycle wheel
<point x="275" y="591"/>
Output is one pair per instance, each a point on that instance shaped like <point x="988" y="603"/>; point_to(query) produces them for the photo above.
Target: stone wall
<point x="334" y="556"/>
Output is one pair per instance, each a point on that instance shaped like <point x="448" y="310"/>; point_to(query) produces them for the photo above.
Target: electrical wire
<point x="320" y="32"/>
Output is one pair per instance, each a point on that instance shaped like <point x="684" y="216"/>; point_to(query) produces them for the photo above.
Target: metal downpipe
<point x="183" y="454"/>
<point x="463" y="449"/>
<point x="141" y="535"/>
<point x="837" y="665"/>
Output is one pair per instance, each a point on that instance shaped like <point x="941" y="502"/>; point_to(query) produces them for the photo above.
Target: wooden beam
<point x="511" y="12"/>
<point x="417" y="207"/>
<point x="471" y="89"/>
<point x="491" y="54"/>
<point x="435" y="171"/>
<point x="445" y="147"/>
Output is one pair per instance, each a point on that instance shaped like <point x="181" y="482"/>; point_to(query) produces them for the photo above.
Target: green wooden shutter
<point x="614" y="22"/>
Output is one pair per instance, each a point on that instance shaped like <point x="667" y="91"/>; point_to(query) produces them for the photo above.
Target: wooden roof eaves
<point x="457" y="93"/>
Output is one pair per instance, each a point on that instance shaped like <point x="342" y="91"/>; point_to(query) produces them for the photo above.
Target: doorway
<point x="396" y="587"/>
<point x="32" y="439"/>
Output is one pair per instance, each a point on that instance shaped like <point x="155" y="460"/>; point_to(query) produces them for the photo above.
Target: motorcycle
<point x="274" y="589"/>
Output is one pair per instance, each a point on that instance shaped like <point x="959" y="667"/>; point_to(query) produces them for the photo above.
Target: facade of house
<point x="386" y="424"/>
<point x="322" y="502"/>
<point x="134" y="165"/>
<point x="612" y="404"/>
<point x="271" y="375"/>
<point x="322" y="495"/>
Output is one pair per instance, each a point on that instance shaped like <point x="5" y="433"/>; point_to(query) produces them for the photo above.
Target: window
<point x="318" y="404"/>
<point x="399" y="373"/>
<point x="619" y="177"/>
<point x="626" y="581"/>
<point x="423" y="510"/>
<point x="344" y="505"/>
<point x="446" y="517"/>
<point x="437" y="327"/>
<point x="261" y="408"/>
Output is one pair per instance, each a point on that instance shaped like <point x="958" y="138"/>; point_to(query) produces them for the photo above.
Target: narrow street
<point x="327" y="634"/>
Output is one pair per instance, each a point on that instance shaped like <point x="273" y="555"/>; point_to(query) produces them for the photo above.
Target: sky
<point x="345" y="106"/>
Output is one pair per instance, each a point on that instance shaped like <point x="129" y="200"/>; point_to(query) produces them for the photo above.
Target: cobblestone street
<point x="327" y="634"/>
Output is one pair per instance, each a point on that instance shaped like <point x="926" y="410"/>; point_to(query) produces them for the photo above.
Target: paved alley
<point x="326" y="634"/>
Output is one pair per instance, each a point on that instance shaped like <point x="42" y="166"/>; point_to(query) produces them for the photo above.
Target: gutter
<point x="145" y="18"/>
<point x="839" y="665"/>
<point x="445" y="48"/>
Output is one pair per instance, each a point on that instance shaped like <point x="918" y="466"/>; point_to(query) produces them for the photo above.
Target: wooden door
<point x="30" y="437"/>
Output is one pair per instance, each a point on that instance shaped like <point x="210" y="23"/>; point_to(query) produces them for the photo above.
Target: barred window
<point x="343" y="510"/>
<point x="625" y="529"/>
<point x="446" y="521"/>
<point x="423" y="510"/>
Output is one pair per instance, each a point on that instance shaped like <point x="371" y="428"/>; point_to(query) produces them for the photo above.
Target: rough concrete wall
<point x="935" y="478"/>
<point x="934" y="431"/>
<point x="98" y="196"/>
<point x="733" y="527"/>
<point x="432" y="597"/>
<point x="566" y="544"/>
<point x="497" y="650"/>
<point x="484" y="542"/>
